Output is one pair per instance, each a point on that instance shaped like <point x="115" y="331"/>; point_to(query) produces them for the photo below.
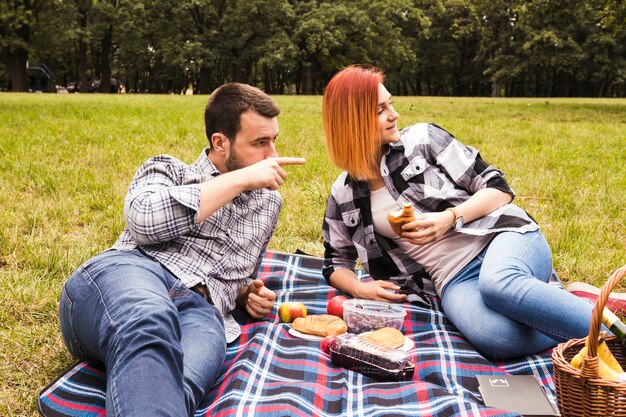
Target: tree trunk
<point x="495" y="88"/>
<point x="418" y="83"/>
<point x="307" y="81"/>
<point x="82" y="67"/>
<point x="537" y="84"/>
<point x="203" y="80"/>
<point x="82" y="54"/>
<point x="135" y="88"/>
<point x="16" y="65"/>
<point x="17" y="60"/>
<point x="602" y="87"/>
<point x="298" y="80"/>
<point x="554" y="83"/>
<point x="105" y="60"/>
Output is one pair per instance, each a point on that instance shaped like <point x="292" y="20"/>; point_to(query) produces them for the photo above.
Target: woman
<point x="487" y="259"/>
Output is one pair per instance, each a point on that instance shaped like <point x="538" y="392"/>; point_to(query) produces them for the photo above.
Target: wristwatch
<point x="458" y="220"/>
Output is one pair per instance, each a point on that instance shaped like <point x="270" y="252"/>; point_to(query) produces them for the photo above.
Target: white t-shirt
<point x="443" y="258"/>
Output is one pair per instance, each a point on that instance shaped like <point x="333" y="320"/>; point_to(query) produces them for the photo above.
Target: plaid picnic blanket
<point x="269" y="372"/>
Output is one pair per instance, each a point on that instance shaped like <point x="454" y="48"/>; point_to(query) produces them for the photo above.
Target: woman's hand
<point x="347" y="282"/>
<point x="379" y="291"/>
<point x="428" y="227"/>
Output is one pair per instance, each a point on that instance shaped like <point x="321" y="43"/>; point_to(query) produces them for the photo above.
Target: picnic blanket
<point x="269" y="372"/>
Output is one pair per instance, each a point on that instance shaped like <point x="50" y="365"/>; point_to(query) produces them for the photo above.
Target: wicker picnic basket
<point x="581" y="392"/>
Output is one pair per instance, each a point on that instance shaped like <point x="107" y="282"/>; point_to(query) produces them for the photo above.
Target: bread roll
<point x="399" y="217"/>
<point x="320" y="325"/>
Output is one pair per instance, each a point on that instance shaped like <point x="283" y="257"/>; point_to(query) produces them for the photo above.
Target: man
<point x="155" y="308"/>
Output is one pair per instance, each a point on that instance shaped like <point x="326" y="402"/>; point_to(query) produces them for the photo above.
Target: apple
<point x="290" y="311"/>
<point x="335" y="306"/>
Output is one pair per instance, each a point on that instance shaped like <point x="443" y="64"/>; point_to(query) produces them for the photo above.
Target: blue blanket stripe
<point x="268" y="372"/>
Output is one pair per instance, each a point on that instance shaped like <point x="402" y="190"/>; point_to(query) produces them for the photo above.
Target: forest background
<point x="494" y="48"/>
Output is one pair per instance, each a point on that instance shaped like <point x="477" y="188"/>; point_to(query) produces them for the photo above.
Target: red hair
<point x="350" y="116"/>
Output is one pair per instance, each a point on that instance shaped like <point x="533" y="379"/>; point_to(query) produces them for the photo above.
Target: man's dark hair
<point x="228" y="102"/>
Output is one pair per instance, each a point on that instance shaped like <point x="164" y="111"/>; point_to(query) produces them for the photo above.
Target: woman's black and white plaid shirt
<point x="430" y="169"/>
<point x="223" y="252"/>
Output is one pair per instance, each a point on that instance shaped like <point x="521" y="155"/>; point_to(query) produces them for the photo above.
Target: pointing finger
<point x="284" y="161"/>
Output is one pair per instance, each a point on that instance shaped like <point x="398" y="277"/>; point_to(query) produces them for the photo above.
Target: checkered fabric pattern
<point x="268" y="372"/>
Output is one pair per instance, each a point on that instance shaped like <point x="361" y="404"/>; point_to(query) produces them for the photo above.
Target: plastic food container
<point x="367" y="315"/>
<point x="369" y="358"/>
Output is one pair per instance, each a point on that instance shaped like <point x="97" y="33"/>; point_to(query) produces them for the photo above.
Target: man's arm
<point x="218" y="192"/>
<point x="158" y="208"/>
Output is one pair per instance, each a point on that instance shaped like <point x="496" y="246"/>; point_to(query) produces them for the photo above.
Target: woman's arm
<point x="484" y="185"/>
<point x="481" y="203"/>
<point x="428" y="227"/>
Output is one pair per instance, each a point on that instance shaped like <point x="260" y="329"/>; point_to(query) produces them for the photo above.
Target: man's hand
<point x="256" y="299"/>
<point x="268" y="173"/>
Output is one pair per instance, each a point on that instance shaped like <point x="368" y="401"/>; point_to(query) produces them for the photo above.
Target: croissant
<point x="320" y="325"/>
<point x="399" y="217"/>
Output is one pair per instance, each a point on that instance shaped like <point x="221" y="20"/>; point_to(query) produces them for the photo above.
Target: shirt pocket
<point x="416" y="167"/>
<point x="351" y="218"/>
<point x="425" y="180"/>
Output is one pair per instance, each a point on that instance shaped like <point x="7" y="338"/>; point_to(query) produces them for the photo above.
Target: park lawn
<point x="67" y="160"/>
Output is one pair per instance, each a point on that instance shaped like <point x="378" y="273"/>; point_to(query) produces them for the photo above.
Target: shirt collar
<point x="360" y="188"/>
<point x="399" y="145"/>
<point x="205" y="165"/>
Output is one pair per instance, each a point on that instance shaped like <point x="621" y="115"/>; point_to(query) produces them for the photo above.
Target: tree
<point x="500" y="45"/>
<point x="17" y="19"/>
<point x="106" y="16"/>
<point x="54" y="39"/>
<point x="448" y="50"/>
<point x="434" y="47"/>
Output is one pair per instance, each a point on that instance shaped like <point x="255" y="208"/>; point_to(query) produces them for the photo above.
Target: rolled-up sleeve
<point x="339" y="250"/>
<point x="159" y="206"/>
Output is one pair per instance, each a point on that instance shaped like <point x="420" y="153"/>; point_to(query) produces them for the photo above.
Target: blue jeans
<point x="501" y="301"/>
<point x="163" y="345"/>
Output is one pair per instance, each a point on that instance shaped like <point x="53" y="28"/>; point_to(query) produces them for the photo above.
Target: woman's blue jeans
<point x="501" y="301"/>
<point x="163" y="345"/>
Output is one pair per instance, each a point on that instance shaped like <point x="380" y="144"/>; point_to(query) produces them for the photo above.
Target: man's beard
<point x="233" y="162"/>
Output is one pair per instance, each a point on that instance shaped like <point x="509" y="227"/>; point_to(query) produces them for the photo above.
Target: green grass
<point x="66" y="161"/>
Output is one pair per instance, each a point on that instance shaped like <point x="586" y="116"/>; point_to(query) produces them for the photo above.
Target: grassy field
<point x="66" y="161"/>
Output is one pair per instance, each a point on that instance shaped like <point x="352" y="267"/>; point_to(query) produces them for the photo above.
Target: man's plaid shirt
<point x="430" y="169"/>
<point x="223" y="252"/>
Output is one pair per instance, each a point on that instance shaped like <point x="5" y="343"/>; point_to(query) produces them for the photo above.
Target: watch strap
<point x="458" y="222"/>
